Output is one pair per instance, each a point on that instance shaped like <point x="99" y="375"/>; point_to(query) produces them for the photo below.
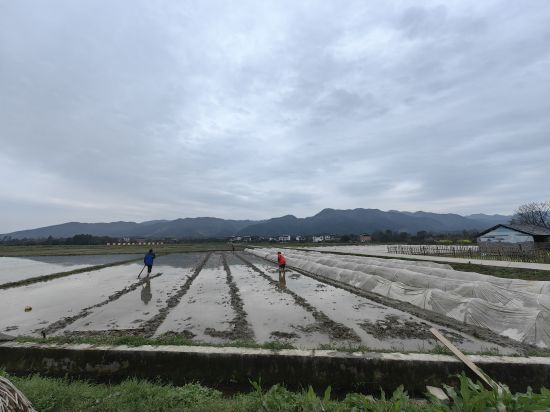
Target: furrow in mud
<point x="335" y="330"/>
<point x="149" y="327"/>
<point x="64" y="322"/>
<point x="241" y="328"/>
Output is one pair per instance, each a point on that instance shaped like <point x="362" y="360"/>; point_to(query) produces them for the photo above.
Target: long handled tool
<point x="484" y="377"/>
<point x="141" y="271"/>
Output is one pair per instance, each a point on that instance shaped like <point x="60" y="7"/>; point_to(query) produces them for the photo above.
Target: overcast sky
<point x="141" y="110"/>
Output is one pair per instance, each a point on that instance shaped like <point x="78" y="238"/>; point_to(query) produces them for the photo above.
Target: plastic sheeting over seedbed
<point x="514" y="308"/>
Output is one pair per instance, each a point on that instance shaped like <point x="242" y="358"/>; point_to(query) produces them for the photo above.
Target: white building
<point x="285" y="238"/>
<point x="365" y="237"/>
<point x="515" y="234"/>
<point x="317" y="239"/>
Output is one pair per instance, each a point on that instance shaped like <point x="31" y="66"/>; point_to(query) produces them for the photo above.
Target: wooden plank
<point x="484" y="377"/>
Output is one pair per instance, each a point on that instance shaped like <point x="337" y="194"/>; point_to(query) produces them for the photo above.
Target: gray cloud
<point x="144" y="110"/>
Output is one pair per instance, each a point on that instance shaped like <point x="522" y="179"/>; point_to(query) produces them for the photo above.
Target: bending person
<point x="148" y="261"/>
<point x="282" y="267"/>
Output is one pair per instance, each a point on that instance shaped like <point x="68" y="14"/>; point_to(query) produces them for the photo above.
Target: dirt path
<point x="336" y="331"/>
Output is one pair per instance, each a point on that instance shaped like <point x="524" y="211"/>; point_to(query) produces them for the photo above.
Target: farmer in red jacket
<point x="282" y="265"/>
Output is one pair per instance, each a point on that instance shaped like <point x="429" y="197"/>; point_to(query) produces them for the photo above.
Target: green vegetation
<point x="348" y="348"/>
<point x="179" y="340"/>
<point x="424" y="237"/>
<point x="351" y="348"/>
<point x="156" y="341"/>
<point x="470" y="396"/>
<point x="49" y="394"/>
<point x="503" y="272"/>
<point x="60" y="395"/>
<point x="63" y="250"/>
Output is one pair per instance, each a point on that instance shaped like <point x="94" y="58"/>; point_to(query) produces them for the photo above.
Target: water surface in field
<point x="13" y="269"/>
<point x="59" y="298"/>
<point x="204" y="312"/>
<point x="131" y="310"/>
<point x="273" y="314"/>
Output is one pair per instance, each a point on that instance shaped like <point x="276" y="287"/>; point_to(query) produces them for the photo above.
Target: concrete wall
<point x="232" y="368"/>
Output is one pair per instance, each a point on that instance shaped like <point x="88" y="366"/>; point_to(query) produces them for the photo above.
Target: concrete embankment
<point x="233" y="368"/>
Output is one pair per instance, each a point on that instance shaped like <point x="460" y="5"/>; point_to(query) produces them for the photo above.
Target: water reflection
<point x="146" y="294"/>
<point x="72" y="260"/>
<point x="179" y="260"/>
<point x="282" y="278"/>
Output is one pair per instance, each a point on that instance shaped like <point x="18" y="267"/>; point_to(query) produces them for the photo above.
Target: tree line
<point x="422" y="236"/>
<point x="80" y="239"/>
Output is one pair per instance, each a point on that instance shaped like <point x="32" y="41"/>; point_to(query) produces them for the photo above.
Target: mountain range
<point x="328" y="221"/>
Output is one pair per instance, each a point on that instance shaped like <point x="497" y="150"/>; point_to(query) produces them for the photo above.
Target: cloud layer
<point x="138" y="110"/>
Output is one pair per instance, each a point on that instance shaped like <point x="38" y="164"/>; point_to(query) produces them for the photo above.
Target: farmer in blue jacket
<point x="148" y="261"/>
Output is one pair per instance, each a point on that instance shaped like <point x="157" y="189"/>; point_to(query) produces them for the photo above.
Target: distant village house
<point x="323" y="238"/>
<point x="522" y="236"/>
<point x="365" y="238"/>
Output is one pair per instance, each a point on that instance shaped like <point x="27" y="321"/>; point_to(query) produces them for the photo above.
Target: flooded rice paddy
<point x="218" y="298"/>
<point x="13" y="269"/>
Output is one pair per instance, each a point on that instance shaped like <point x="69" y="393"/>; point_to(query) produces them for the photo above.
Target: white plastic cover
<point x="515" y="308"/>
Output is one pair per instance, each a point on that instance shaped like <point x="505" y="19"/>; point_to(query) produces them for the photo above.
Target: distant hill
<point x="200" y="227"/>
<point x="328" y="221"/>
<point x="331" y="221"/>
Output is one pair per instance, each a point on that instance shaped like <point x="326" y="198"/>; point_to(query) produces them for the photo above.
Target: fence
<point x="514" y="254"/>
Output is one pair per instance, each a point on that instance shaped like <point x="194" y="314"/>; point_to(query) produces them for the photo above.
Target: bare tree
<point x="534" y="213"/>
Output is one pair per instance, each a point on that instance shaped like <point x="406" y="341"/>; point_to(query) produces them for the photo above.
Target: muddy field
<point x="219" y="298"/>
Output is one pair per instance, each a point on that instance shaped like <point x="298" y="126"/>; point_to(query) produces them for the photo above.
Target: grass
<point x="503" y="272"/>
<point x="49" y="394"/>
<point x="66" y="250"/>
<point x="437" y="350"/>
<point x="134" y="341"/>
<point x="156" y="341"/>
<point x="350" y="348"/>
